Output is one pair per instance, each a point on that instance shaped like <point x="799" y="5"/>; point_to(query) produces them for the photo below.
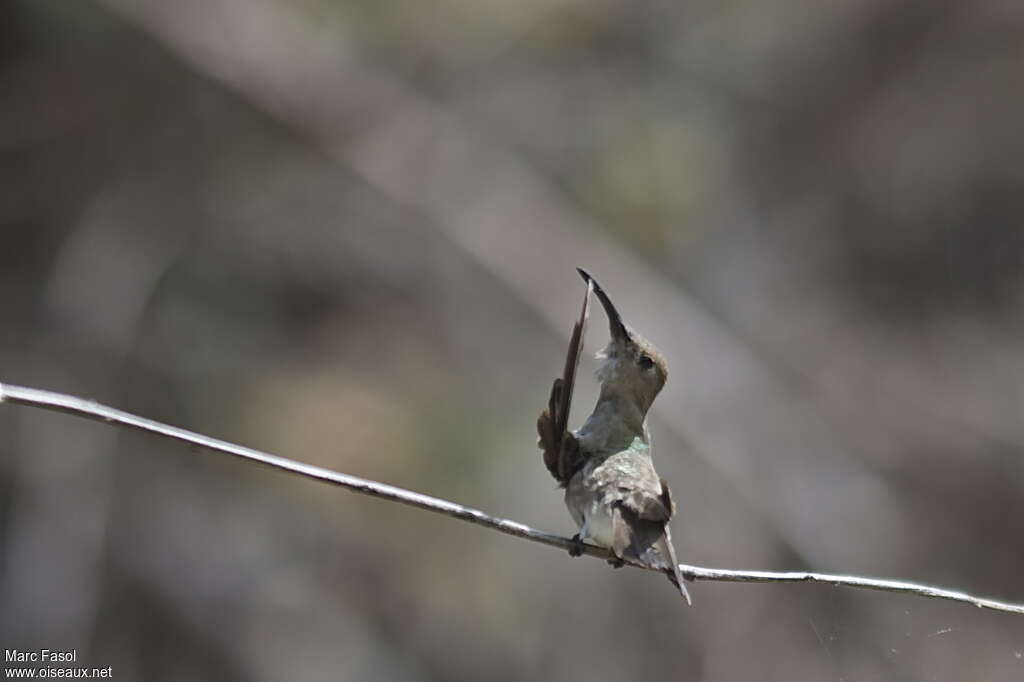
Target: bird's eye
<point x="646" y="362"/>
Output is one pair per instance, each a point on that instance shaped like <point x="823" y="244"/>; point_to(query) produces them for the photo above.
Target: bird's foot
<point x="577" y="546"/>
<point x="616" y="562"/>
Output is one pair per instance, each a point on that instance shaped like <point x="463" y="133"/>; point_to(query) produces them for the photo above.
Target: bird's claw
<point x="616" y="562"/>
<point x="577" y="546"/>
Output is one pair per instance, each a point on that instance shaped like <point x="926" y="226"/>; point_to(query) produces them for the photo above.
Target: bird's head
<point x="629" y="367"/>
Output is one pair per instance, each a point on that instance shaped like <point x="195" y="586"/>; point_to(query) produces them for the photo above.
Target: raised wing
<point x="561" y="451"/>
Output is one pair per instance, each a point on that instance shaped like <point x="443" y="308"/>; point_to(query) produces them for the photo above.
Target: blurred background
<point x="345" y="232"/>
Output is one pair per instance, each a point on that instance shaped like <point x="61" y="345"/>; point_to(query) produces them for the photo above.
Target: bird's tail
<point x="664" y="545"/>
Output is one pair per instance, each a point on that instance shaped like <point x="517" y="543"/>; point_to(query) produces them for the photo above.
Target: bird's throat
<point x="615" y="423"/>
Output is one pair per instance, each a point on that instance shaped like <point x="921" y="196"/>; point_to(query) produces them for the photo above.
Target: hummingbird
<point x="612" y="490"/>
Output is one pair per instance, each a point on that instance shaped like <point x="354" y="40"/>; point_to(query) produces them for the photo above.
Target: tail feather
<point x="673" y="572"/>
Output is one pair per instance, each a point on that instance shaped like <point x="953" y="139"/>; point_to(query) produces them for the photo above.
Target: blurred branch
<point x="90" y="409"/>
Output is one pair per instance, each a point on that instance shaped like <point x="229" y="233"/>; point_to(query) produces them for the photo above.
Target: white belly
<point x="597" y="526"/>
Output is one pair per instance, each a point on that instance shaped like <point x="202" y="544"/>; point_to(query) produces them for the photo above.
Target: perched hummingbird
<point x="611" y="488"/>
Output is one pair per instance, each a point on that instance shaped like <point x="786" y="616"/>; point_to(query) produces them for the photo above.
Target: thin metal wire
<point x="90" y="409"/>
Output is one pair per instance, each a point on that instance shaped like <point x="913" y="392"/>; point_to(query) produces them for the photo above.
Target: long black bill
<point x="615" y="324"/>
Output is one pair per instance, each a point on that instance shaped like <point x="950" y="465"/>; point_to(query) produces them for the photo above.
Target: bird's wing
<point x="561" y="451"/>
<point x="651" y="502"/>
<point x="647" y="540"/>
